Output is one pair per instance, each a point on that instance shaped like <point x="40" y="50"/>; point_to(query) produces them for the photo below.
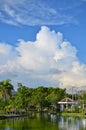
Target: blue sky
<point x="42" y="42"/>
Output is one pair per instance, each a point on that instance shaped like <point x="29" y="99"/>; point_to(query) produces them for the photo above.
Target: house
<point x="66" y="103"/>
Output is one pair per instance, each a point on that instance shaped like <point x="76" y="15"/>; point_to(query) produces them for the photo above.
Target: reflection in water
<point x="43" y="121"/>
<point x="84" y="123"/>
<point x="53" y="117"/>
<point x="68" y="123"/>
<point x="71" y="123"/>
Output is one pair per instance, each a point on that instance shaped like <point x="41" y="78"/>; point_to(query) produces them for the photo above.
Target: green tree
<point x="39" y="97"/>
<point x="82" y="100"/>
<point x="6" y="89"/>
<point x="22" y="98"/>
<point x="55" y="95"/>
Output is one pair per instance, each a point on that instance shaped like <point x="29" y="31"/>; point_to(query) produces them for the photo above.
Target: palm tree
<point x="6" y="89"/>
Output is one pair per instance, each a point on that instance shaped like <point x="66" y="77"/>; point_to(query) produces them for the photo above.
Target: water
<point x="43" y="122"/>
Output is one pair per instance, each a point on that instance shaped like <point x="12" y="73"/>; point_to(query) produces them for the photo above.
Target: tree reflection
<point x="43" y="121"/>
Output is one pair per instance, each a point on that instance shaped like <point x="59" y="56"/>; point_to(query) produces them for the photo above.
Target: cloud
<point x="49" y="61"/>
<point x="39" y="12"/>
<point x="6" y="53"/>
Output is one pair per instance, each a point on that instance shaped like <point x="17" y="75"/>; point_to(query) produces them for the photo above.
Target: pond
<point x="43" y="122"/>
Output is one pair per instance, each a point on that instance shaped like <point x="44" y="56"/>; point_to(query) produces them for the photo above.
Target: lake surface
<point x="43" y="122"/>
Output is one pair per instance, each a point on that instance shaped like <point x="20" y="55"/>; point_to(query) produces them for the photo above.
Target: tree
<point x="39" y="97"/>
<point x="6" y="89"/>
<point x="55" y="95"/>
<point x="82" y="99"/>
<point x="23" y="98"/>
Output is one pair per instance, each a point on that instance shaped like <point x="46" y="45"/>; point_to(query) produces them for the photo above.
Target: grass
<point x="74" y="114"/>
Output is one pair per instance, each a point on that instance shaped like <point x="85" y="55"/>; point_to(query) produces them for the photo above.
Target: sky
<point x="42" y="42"/>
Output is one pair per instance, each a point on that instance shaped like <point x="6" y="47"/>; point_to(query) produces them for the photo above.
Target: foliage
<point x="6" y="89"/>
<point x="26" y="98"/>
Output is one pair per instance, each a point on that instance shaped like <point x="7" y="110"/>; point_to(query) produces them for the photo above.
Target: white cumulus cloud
<point x="49" y="60"/>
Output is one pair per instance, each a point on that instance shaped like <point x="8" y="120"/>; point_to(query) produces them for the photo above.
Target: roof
<point x="66" y="101"/>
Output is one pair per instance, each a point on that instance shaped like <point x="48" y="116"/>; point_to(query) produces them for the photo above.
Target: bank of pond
<point x="33" y="113"/>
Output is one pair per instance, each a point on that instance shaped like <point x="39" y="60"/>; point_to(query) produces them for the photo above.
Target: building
<point x="66" y="103"/>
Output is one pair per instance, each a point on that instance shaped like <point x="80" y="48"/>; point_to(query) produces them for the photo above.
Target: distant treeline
<point x="25" y="98"/>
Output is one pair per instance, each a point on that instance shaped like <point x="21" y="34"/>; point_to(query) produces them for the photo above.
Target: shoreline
<point x="58" y="114"/>
<point x="10" y="116"/>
